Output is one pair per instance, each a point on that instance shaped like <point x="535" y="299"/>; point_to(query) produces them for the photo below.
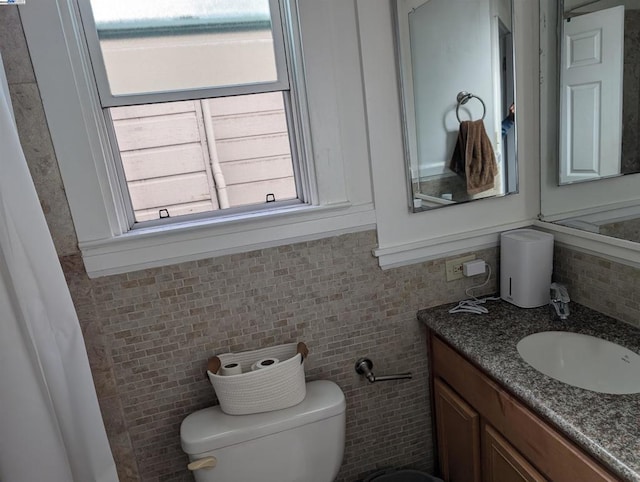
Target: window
<point x="204" y="155"/>
<point x="198" y="99"/>
<point x="323" y="109"/>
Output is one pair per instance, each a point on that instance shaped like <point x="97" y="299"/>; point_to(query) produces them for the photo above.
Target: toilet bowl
<point x="303" y="443"/>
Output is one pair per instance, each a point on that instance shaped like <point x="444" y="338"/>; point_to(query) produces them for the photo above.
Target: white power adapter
<point x="474" y="268"/>
<point x="474" y="305"/>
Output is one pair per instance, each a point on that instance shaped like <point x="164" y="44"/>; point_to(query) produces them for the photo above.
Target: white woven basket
<point x="272" y="388"/>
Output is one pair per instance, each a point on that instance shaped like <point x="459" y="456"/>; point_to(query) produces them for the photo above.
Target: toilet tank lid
<point x="211" y="428"/>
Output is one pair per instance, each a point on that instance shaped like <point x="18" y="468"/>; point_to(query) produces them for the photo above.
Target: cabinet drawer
<point x="554" y="455"/>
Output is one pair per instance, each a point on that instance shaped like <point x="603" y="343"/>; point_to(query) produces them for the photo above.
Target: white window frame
<point x="287" y="82"/>
<point x="339" y="198"/>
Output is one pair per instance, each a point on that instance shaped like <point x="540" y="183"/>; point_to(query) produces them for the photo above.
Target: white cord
<point x="473" y="305"/>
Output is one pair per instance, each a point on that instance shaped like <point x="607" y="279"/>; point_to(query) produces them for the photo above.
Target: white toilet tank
<point x="303" y="443"/>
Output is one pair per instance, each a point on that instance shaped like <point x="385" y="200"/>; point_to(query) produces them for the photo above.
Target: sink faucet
<point x="560" y="300"/>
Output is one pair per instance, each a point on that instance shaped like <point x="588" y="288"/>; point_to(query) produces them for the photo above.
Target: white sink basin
<point x="583" y="361"/>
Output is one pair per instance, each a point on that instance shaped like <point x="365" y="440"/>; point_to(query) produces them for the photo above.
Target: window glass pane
<point x="166" y="45"/>
<point x="196" y="156"/>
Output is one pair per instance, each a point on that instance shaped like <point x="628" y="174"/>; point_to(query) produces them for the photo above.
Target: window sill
<point x="164" y="245"/>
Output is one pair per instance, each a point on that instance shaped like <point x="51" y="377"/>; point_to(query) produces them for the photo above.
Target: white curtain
<point x="50" y="423"/>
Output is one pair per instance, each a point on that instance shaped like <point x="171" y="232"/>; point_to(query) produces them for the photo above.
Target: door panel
<point x="591" y="95"/>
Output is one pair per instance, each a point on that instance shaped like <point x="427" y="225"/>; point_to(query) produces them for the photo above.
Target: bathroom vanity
<point x="497" y="418"/>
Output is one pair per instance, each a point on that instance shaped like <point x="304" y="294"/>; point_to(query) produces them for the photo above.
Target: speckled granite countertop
<point x="606" y="426"/>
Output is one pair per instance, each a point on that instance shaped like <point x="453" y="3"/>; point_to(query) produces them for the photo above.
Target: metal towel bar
<point x="364" y="366"/>
<point x="464" y="97"/>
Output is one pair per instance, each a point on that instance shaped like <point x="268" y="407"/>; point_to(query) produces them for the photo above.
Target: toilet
<point x="303" y="443"/>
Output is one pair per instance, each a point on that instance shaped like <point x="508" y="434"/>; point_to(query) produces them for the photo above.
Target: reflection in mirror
<point x="598" y="116"/>
<point x="590" y="116"/>
<point x="456" y="67"/>
<point x="621" y="223"/>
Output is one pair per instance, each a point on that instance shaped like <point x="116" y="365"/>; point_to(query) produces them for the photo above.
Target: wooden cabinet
<point x="501" y="462"/>
<point x="458" y="429"/>
<point x="476" y="419"/>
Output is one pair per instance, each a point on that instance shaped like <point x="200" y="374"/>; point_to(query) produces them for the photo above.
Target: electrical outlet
<point x="454" y="267"/>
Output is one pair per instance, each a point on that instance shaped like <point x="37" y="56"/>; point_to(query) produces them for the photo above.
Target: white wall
<point x="354" y="114"/>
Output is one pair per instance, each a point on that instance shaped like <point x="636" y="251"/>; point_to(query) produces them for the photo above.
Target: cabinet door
<point x="501" y="462"/>
<point x="458" y="432"/>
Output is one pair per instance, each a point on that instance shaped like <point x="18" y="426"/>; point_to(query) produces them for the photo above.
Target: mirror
<point x="457" y="78"/>
<point x="590" y="115"/>
<point x="598" y="111"/>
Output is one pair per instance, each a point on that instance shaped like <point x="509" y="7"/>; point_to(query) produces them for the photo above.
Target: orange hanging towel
<point x="473" y="157"/>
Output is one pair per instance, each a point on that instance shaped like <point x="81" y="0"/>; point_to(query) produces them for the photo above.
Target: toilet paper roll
<point x="264" y="363"/>
<point x="230" y="369"/>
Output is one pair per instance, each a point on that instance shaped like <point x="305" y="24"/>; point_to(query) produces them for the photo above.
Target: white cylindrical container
<point x="526" y="266"/>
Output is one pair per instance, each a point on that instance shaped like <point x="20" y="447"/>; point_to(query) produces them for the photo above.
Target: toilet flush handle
<point x="205" y="463"/>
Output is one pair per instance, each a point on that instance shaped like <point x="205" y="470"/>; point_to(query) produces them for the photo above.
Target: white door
<point x="591" y="95"/>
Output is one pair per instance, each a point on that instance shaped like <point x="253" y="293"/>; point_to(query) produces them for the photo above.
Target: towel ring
<point x="464" y="97"/>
